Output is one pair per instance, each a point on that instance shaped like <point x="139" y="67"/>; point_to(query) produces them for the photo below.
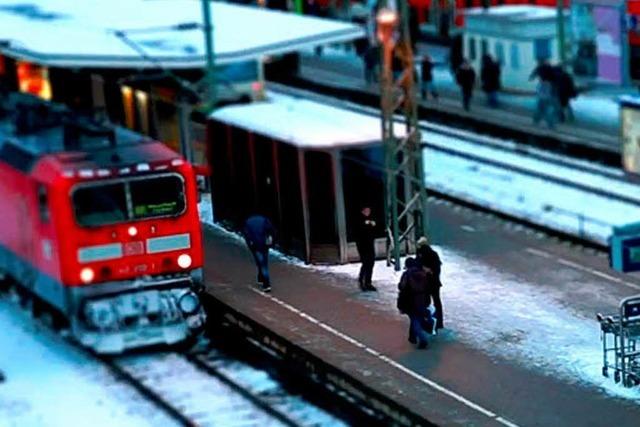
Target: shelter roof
<point x="304" y="123"/>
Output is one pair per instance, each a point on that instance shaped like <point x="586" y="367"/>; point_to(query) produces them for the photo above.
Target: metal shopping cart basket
<point x="620" y="335"/>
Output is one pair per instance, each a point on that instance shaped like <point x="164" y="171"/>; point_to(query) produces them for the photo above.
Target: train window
<point x="158" y="196"/>
<point x="43" y="203"/>
<point x="100" y="204"/>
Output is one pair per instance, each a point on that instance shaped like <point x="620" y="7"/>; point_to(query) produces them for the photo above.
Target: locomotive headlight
<point x="184" y="261"/>
<point x="188" y="303"/>
<point x="133" y="231"/>
<point x="87" y="275"/>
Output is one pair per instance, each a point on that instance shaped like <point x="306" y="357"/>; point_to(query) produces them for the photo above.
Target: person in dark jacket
<point x="466" y="79"/>
<point x="414" y="284"/>
<point x="490" y="77"/>
<point x="547" y="102"/>
<point x="430" y="259"/>
<point x="259" y="234"/>
<point x="365" y="242"/>
<point x="426" y="75"/>
<point x="566" y="90"/>
<point x="370" y="59"/>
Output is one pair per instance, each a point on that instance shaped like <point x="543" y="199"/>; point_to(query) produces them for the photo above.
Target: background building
<point x="518" y="37"/>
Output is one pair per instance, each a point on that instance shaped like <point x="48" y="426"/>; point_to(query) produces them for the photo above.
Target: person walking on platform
<point x="426" y="77"/>
<point x="466" y="79"/>
<point x="259" y="234"/>
<point x="370" y="59"/>
<point x="546" y="94"/>
<point x="566" y="90"/>
<point x="365" y="243"/>
<point x="414" y="299"/>
<point x="490" y="77"/>
<point x="429" y="258"/>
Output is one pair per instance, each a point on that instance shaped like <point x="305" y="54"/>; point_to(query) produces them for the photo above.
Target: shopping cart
<point x="620" y="335"/>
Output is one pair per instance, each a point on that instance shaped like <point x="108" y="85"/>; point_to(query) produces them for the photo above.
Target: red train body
<point x="100" y="225"/>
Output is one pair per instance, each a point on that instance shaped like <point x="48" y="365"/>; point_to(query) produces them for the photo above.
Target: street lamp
<point x="387" y="20"/>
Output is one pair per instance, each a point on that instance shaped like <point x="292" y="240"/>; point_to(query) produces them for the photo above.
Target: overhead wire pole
<point x="209" y="53"/>
<point x="405" y="193"/>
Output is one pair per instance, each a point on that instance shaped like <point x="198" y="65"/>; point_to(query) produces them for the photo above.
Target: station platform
<point x="453" y="382"/>
<point x="596" y="125"/>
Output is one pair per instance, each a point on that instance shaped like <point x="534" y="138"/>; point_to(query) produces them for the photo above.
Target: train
<point x="99" y="227"/>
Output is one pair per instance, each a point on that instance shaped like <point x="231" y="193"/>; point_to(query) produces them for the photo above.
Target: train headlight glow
<point x="189" y="303"/>
<point x="87" y="275"/>
<point x="184" y="261"/>
<point x="132" y="231"/>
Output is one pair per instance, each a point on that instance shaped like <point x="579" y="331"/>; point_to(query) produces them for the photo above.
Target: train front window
<point x="100" y="204"/>
<point x="161" y="196"/>
<point x="129" y="200"/>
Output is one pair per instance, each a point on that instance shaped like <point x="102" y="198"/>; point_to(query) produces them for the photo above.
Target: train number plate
<point x="133" y="248"/>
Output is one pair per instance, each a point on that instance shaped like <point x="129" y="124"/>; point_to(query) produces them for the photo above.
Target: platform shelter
<point x="308" y="166"/>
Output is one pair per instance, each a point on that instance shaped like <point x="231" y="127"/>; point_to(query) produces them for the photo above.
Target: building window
<point x="484" y="48"/>
<point x="500" y="52"/>
<point x="542" y="49"/>
<point x="128" y="106"/>
<point x="472" y="48"/>
<point x="34" y="79"/>
<point x="515" y="56"/>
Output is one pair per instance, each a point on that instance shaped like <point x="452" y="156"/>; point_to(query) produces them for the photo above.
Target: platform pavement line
<point x="390" y="361"/>
<point x="577" y="266"/>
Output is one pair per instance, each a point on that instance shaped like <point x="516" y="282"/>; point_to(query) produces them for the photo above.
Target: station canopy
<point x="70" y="33"/>
<point x="304" y="123"/>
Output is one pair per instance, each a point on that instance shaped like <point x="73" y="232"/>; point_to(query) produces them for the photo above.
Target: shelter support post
<point x="341" y="219"/>
<point x="304" y="198"/>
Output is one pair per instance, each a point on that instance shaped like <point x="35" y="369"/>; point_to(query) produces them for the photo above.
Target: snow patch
<point x="49" y="382"/>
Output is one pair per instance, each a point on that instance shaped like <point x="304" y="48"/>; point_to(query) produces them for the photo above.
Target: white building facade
<point x="518" y="37"/>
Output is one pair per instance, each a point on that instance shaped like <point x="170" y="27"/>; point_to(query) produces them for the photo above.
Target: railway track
<point x="207" y="388"/>
<point x="200" y="387"/>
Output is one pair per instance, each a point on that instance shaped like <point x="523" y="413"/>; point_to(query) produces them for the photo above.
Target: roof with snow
<point x="304" y="123"/>
<point x="70" y="33"/>
<point x="512" y="13"/>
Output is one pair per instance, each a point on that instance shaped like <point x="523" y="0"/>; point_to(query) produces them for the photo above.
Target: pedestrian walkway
<point x="521" y="346"/>
<point x="596" y="111"/>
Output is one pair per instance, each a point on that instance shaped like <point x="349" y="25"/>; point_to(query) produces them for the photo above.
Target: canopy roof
<point x="71" y="33"/>
<point x="304" y="123"/>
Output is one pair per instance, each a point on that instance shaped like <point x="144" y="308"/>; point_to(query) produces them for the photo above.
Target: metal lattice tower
<point x="405" y="193"/>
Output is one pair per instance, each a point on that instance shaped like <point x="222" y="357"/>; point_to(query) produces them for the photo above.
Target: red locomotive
<point x="99" y="225"/>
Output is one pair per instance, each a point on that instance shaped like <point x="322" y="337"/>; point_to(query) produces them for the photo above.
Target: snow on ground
<point x="51" y="383"/>
<point x="505" y="316"/>
<point x="512" y="190"/>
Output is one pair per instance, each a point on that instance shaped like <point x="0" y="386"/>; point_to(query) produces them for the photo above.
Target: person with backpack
<point x="414" y="299"/>
<point x="259" y="234"/>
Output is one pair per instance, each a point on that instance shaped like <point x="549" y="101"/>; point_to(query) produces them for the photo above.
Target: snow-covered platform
<point x="521" y="344"/>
